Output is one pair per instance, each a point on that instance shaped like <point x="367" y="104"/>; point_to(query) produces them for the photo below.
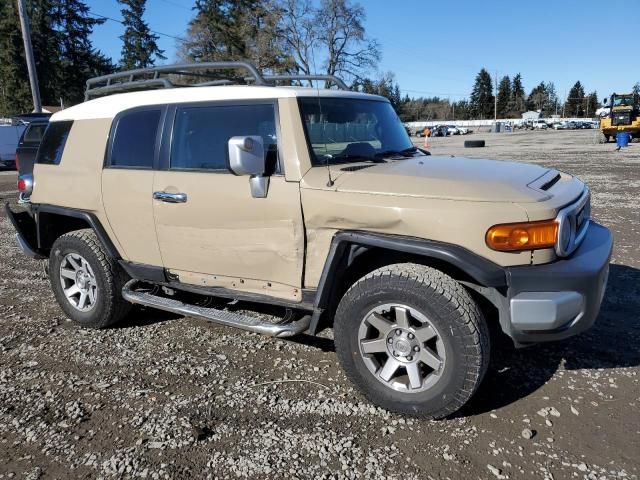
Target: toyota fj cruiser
<point x="313" y="200"/>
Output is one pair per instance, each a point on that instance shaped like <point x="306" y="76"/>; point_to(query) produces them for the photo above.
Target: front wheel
<point x="412" y="340"/>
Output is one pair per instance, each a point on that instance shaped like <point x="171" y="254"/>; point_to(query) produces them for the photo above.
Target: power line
<point x="180" y="39"/>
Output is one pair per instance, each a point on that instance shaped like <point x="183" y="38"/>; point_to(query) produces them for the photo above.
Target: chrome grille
<point x="578" y="215"/>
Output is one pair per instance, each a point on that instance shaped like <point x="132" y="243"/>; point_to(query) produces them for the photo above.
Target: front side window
<point x="53" y="142"/>
<point x="134" y="139"/>
<point x="349" y="129"/>
<point x="200" y="134"/>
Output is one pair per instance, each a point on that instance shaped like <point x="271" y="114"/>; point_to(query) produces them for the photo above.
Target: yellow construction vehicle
<point x="623" y="116"/>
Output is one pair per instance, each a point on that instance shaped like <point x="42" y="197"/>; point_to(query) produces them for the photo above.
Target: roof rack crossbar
<point x="122" y="81"/>
<point x="123" y="87"/>
<point x="327" y="78"/>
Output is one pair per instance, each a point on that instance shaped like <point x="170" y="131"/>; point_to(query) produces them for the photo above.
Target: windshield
<point x="349" y="129"/>
<point x="623" y="100"/>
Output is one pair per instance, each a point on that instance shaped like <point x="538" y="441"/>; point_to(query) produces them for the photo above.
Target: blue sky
<point x="437" y="48"/>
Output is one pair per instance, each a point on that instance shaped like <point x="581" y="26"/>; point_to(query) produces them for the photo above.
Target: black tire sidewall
<point x="445" y="319"/>
<point x="94" y="318"/>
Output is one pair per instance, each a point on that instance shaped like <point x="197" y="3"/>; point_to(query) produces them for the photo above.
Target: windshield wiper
<point x="407" y="152"/>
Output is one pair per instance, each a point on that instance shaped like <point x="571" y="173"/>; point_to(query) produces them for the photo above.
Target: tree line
<point x="510" y="101"/>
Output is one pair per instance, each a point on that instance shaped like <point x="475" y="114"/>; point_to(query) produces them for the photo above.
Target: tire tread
<point x="452" y="295"/>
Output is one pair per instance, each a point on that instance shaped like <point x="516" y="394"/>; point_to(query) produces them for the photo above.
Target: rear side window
<point x="201" y="134"/>
<point x="53" y="142"/>
<point x="134" y="139"/>
<point x="34" y="133"/>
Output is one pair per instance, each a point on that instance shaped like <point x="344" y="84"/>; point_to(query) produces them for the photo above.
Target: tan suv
<point x="315" y="201"/>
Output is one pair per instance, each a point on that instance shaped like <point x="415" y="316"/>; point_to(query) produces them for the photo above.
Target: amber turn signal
<point x="510" y="237"/>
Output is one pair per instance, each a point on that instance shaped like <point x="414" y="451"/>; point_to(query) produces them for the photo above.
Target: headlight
<point x="510" y="237"/>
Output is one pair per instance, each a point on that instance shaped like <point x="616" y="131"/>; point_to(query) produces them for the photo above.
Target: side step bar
<point x="222" y="317"/>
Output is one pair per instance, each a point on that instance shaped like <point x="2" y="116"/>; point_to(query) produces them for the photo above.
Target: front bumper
<point x="559" y="299"/>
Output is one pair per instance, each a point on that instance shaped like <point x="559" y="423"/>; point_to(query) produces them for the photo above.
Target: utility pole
<point x="28" y="53"/>
<point x="495" y="98"/>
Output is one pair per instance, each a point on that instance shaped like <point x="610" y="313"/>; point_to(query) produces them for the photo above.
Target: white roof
<point x="110" y="106"/>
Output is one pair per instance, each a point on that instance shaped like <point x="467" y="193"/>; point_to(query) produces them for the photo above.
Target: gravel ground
<point x="168" y="397"/>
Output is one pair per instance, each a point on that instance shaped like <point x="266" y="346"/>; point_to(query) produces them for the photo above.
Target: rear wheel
<point x="412" y="340"/>
<point x="86" y="282"/>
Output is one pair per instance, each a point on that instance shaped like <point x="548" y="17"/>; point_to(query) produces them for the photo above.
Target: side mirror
<point x="246" y="157"/>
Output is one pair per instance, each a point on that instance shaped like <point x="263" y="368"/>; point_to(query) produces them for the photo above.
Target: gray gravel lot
<point x="168" y="397"/>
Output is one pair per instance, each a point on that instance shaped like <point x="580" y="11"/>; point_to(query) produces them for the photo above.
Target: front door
<point x="210" y="230"/>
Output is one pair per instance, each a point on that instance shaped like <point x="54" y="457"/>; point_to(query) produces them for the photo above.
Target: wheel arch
<point x="353" y="254"/>
<point x="52" y="221"/>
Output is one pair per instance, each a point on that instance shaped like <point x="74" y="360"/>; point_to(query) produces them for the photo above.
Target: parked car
<point x="167" y="198"/>
<point x="9" y="137"/>
<point x="28" y="147"/>
<point x="453" y="130"/>
<point x="440" y="131"/>
<point x="539" y="124"/>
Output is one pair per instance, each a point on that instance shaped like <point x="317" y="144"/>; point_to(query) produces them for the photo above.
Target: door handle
<point x="170" y="197"/>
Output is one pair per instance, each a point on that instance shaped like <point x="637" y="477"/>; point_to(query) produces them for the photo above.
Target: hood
<point x="454" y="178"/>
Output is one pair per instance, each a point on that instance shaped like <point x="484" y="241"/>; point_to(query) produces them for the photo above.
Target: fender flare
<point x="483" y="271"/>
<point x="88" y="217"/>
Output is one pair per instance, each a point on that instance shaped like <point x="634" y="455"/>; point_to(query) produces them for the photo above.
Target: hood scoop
<point x="547" y="185"/>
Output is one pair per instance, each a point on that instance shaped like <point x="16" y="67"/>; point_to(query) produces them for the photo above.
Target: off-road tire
<point x="109" y="307"/>
<point x="473" y="143"/>
<point x="449" y="308"/>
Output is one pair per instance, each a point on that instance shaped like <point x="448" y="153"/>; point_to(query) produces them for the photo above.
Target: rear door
<point x="127" y="180"/>
<point x="217" y="234"/>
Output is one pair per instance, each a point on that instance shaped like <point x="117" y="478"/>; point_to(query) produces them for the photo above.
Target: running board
<point x="223" y="317"/>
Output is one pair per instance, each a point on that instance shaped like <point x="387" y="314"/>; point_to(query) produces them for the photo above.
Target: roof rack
<point x="148" y="78"/>
<point x="328" y="78"/>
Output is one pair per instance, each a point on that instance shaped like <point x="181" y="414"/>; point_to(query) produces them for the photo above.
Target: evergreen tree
<point x="15" y="95"/>
<point x="636" y="88"/>
<point x="591" y="104"/>
<point x="139" y="49"/>
<point x="237" y="29"/>
<point x="79" y="60"/>
<point x="504" y="97"/>
<point x="574" y="106"/>
<point x="538" y="97"/>
<point x="551" y="106"/>
<point x="518" y="105"/>
<point x="482" y="96"/>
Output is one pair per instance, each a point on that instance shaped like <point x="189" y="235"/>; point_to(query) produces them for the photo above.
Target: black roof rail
<point x="328" y="78"/>
<point x="138" y="79"/>
<point x="147" y="78"/>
